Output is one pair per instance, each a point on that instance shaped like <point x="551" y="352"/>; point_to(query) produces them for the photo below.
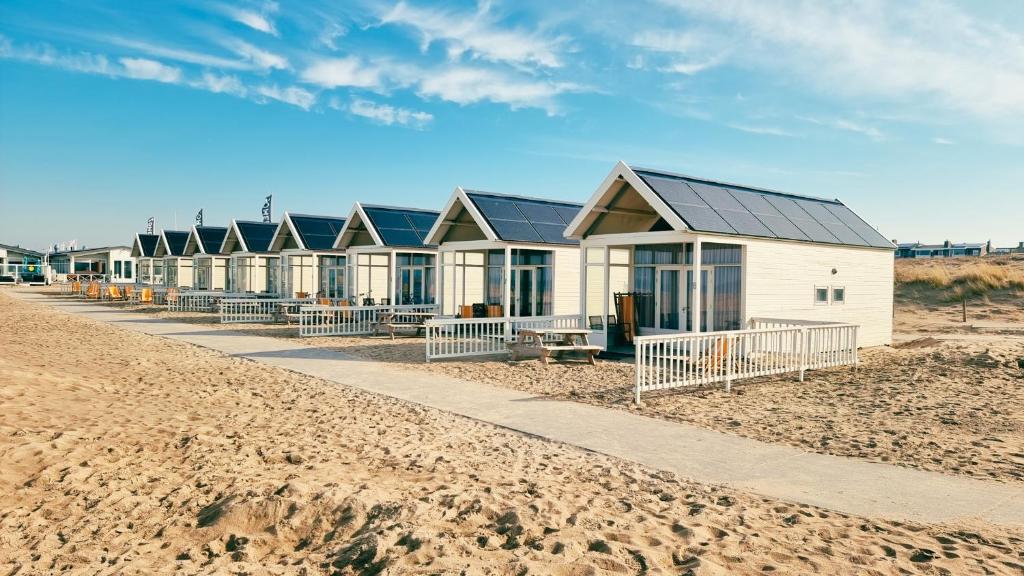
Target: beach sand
<point x="131" y="454"/>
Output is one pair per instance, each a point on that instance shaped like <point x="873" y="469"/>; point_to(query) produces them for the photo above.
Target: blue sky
<point x="912" y="113"/>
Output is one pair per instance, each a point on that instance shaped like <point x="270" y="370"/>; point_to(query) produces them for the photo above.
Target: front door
<point x="707" y="298"/>
<point x="668" y="304"/>
<point x="524" y="291"/>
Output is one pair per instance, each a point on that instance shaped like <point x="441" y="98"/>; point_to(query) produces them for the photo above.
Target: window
<point x="820" y="295"/>
<point x="838" y="295"/>
<point x="128" y="269"/>
<point x="117" y="268"/>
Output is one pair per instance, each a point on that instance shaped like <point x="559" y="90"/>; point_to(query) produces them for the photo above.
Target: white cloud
<point x="177" y="54"/>
<point x="479" y="35"/>
<point x="259" y="57"/>
<point x="220" y="84"/>
<point x="293" y="95"/>
<point x="388" y="115"/>
<point x="689" y="68"/>
<point x="146" y="69"/>
<point x="849" y="126"/>
<point x="763" y="130"/>
<point x="916" y="52"/>
<point x="943" y="141"/>
<point x="348" y="71"/>
<point x="255" y="19"/>
<point x="464" y="85"/>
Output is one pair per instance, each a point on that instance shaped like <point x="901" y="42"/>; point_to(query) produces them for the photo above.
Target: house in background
<point x="1018" y="249"/>
<point x="665" y="253"/>
<point x="150" y="268"/>
<point x="22" y="266"/>
<point x="177" y="266"/>
<point x="387" y="260"/>
<point x="507" y="255"/>
<point x="209" y="266"/>
<point x="945" y="250"/>
<point x="252" y="266"/>
<point x="309" y="263"/>
<point x="110" y="263"/>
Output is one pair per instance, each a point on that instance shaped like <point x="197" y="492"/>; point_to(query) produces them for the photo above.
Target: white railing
<point x="255" y="310"/>
<point x="201" y="300"/>
<point x="680" y="360"/>
<point x="463" y="337"/>
<point x="355" y="320"/>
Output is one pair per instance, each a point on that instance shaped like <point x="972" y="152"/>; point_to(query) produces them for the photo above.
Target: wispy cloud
<point x="177" y="54"/>
<point x="146" y="69"/>
<point x="943" y="141"/>
<point x="847" y="125"/>
<point x="763" y="130"/>
<point x="468" y="85"/>
<point x="294" y="95"/>
<point x="920" y="51"/>
<point x="688" y="52"/>
<point x="349" y="71"/>
<point x="259" y="57"/>
<point x="386" y="114"/>
<point x="220" y="84"/>
<point x="257" y="19"/>
<point x="479" y="34"/>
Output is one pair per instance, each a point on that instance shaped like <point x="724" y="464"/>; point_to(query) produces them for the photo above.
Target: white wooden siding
<point x="567" y="280"/>
<point x="780" y="278"/>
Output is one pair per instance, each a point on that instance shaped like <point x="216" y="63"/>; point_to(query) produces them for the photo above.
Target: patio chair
<point x="369" y="302"/>
<point x="302" y="295"/>
<point x="495" y="311"/>
<point x="465" y="311"/>
<point x="595" y="323"/>
<point x="479" y="311"/>
<point x="146" y="296"/>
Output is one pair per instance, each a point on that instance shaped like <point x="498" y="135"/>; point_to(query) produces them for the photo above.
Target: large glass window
<point x="128" y="269"/>
<point x="332" y="276"/>
<point x="532" y="283"/>
<point x="416" y="278"/>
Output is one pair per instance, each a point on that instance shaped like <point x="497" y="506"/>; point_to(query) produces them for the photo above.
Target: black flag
<point x="149" y="225"/>
<point x="199" y="217"/>
<point x="266" y="208"/>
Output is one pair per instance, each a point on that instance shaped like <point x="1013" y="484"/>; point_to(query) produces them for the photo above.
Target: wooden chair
<point x="302" y="295"/>
<point x="171" y="296"/>
<point x="146" y="296"/>
<point x="466" y="311"/>
<point x="323" y="301"/>
<point x="92" y="292"/>
<point x="114" y="293"/>
<point x="129" y="292"/>
<point x="495" y="311"/>
<point x="717" y="358"/>
<point x="76" y="287"/>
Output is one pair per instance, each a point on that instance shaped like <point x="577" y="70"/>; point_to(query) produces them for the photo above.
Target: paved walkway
<point x="842" y="484"/>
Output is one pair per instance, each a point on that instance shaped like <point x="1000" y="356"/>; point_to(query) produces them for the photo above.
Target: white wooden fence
<point x="354" y="320"/>
<point x="463" y="337"/>
<point x="201" y="300"/>
<point x="678" y="360"/>
<point x="255" y="310"/>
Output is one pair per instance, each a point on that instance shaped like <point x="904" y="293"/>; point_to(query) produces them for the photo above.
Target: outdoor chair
<point x="595" y="323"/>
<point x="479" y="311"/>
<point x="369" y="302"/>
<point x="465" y="311"/>
<point x="495" y="311"/>
<point x="146" y="296"/>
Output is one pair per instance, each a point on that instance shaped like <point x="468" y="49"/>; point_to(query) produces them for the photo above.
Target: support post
<point x="728" y="364"/>
<point x="695" y="301"/>
<point x="606" y="297"/>
<point x="507" y="291"/>
<point x="803" y="352"/>
<point x="392" y="278"/>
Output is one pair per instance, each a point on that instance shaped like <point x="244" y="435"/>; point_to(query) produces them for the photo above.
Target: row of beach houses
<point x="651" y="252"/>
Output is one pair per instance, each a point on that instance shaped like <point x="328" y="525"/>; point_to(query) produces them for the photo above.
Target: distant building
<point x="1018" y="249"/>
<point x="945" y="250"/>
<point x="21" y="266"/>
<point x="110" y="263"/>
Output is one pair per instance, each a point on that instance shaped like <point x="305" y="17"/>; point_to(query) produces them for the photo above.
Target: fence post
<point x="728" y="363"/>
<point x="638" y="363"/>
<point x="803" y="352"/>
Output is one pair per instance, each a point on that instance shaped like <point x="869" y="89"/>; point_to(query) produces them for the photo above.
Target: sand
<point x="127" y="453"/>
<point x="948" y="398"/>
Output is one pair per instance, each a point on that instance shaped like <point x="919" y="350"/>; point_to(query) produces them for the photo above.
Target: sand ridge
<point x="181" y="459"/>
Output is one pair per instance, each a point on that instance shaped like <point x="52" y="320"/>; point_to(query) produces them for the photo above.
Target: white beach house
<point x="109" y="263"/>
<point x="664" y="253"/>
<point x="177" y="266"/>
<point x="252" y="267"/>
<point x="150" y="268"/>
<point x="387" y="260"/>
<point x="209" y="266"/>
<point x="506" y="256"/>
<point x="310" y="266"/>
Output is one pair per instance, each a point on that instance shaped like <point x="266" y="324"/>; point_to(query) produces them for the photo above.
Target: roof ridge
<point x="713" y="182"/>
<point x="521" y="197"/>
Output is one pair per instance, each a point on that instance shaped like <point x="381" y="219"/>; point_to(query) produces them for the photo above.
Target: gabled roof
<point x="307" y="232"/>
<point x="503" y="218"/>
<point x="248" y="236"/>
<point x="145" y="245"/>
<point x="20" y="250"/>
<point x="205" y="240"/>
<point x="371" y="225"/>
<point x="658" y="200"/>
<point x="172" y="243"/>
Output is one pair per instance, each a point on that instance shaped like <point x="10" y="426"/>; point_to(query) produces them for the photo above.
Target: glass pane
<point x="495" y="286"/>
<point x="524" y="293"/>
<point x="643" y="285"/>
<point x="417" y="286"/>
<point x="543" y="295"/>
<point x="727" y="298"/>
<point x="668" y="300"/>
<point x="431" y="288"/>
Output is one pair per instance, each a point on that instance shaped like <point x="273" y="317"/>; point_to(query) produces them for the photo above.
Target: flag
<point x="150" y="224"/>
<point x="266" y="208"/>
<point x="199" y="217"/>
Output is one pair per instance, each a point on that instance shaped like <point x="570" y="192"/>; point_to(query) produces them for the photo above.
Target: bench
<point x="391" y="327"/>
<point x="549" y="350"/>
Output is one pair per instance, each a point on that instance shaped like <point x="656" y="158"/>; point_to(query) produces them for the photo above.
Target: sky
<point x="911" y="113"/>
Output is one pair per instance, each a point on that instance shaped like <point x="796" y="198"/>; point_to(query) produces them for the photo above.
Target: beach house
<point x="310" y="266"/>
<point x="252" y="267"/>
<point x="108" y="263"/>
<point x="664" y="253"/>
<point x="177" y="266"/>
<point x="503" y="255"/>
<point x="945" y="250"/>
<point x="209" y="266"/>
<point x="150" y="268"/>
<point x="387" y="260"/>
<point x="22" y="266"/>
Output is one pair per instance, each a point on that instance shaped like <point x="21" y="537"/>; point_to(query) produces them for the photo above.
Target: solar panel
<point x="176" y="242"/>
<point x="552" y="233"/>
<point x="702" y="219"/>
<point x="870" y="235"/>
<point x="399" y="227"/>
<point x="819" y="212"/>
<point x="717" y="198"/>
<point x="673" y="190"/>
<point x="743" y="222"/>
<point x="567" y="213"/>
<point x="212" y="237"/>
<point x="148" y="242"/>
<point x="516" y="219"/>
<point x="399" y="237"/>
<point x="779" y="225"/>
<point x="257" y="235"/>
<point x="499" y="209"/>
<point x="539" y="213"/>
<point x="513" y="231"/>
<point x="808" y="225"/>
<point x="422" y="221"/>
<point x="317" y="233"/>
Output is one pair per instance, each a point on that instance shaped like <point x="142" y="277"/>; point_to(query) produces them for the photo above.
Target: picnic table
<point x="288" y="311"/>
<point x="531" y="342"/>
<point x="387" y="322"/>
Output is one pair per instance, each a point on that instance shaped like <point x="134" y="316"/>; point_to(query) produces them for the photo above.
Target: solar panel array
<point x="148" y="243"/>
<point x="257" y="235"/>
<point x="176" y="241"/>
<point x="398" y="227"/>
<point x="317" y="232"/>
<point x="727" y="209"/>
<point x="212" y="237"/>
<point x="516" y="219"/>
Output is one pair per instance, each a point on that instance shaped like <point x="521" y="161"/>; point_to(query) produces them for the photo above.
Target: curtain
<point x="727" y="298"/>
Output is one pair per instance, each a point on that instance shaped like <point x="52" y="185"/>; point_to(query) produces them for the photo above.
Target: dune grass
<point x="958" y="279"/>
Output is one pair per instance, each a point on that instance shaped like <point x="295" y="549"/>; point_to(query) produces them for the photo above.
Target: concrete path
<point x="841" y="484"/>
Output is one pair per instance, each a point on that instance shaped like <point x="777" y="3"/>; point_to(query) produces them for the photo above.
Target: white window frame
<point x="828" y="294"/>
<point x="832" y="294"/>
